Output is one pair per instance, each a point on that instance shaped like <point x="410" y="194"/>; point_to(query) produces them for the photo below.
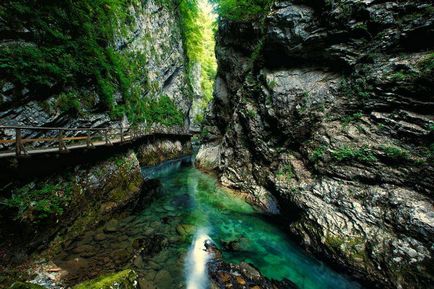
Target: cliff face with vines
<point x="323" y="113"/>
<point x="92" y="63"/>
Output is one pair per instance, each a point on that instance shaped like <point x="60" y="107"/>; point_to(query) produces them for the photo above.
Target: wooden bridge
<point x="22" y="141"/>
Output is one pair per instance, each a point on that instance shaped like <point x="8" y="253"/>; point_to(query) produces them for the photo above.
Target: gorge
<point x="309" y="164"/>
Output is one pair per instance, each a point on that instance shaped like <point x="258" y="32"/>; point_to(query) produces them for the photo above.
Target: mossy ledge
<point x="122" y="280"/>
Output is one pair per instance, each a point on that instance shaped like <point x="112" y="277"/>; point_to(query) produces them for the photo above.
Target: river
<point x="164" y="240"/>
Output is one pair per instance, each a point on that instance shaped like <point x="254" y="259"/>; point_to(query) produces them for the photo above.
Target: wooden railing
<point x="61" y="139"/>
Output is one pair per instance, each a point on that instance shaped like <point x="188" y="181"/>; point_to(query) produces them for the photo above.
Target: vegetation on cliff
<point x="65" y="45"/>
<point x="68" y="49"/>
<point x="198" y="28"/>
<point x="242" y="10"/>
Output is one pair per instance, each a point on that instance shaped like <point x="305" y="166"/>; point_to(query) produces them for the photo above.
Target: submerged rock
<point x="185" y="230"/>
<point x="227" y="275"/>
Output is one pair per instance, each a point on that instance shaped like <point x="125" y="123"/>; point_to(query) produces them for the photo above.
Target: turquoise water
<point x="190" y="201"/>
<point x="226" y="217"/>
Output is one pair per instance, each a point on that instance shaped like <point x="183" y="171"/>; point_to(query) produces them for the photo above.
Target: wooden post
<point x="107" y="141"/>
<point x="122" y="134"/>
<point x="18" y="140"/>
<point x="88" y="140"/>
<point x="62" y="146"/>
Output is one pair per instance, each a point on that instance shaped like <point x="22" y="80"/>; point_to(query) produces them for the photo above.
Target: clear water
<point x="191" y="201"/>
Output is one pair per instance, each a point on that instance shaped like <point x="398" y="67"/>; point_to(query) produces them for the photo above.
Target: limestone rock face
<point x="161" y="150"/>
<point x="323" y="112"/>
<point x="152" y="35"/>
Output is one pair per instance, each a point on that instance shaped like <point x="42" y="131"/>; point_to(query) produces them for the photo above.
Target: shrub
<point x="251" y="113"/>
<point x="37" y="204"/>
<point x="163" y="111"/>
<point x="286" y="172"/>
<point x="394" y="152"/>
<point x="346" y="153"/>
<point x="346" y="120"/>
<point x="68" y="102"/>
<point x="318" y="153"/>
<point x="242" y="10"/>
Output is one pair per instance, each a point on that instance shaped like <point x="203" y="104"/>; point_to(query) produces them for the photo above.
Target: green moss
<point x="346" y="153"/>
<point x="125" y="279"/>
<point x="352" y="247"/>
<point x="286" y="173"/>
<point x="334" y="241"/>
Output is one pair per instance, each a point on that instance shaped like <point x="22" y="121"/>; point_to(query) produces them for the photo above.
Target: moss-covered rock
<point x="22" y="285"/>
<point x="126" y="279"/>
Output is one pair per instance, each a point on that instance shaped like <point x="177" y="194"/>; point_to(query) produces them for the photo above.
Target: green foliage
<point x="72" y="45"/>
<point x="161" y="110"/>
<point x="402" y="75"/>
<point x="69" y="102"/>
<point x="198" y="32"/>
<point x="346" y="153"/>
<point x="204" y="133"/>
<point x="318" y="153"/>
<point x="427" y="65"/>
<point x="242" y="10"/>
<point x="358" y="88"/>
<point x="38" y="204"/>
<point x="355" y="117"/>
<point x="395" y="153"/>
<point x="199" y="118"/>
<point x="286" y="173"/>
<point x="251" y="113"/>
<point x="272" y="84"/>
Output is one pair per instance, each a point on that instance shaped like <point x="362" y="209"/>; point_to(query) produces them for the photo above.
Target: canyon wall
<point x="100" y="78"/>
<point x="323" y="112"/>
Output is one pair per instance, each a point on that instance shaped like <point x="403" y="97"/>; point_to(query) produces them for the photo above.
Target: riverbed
<point x="158" y="240"/>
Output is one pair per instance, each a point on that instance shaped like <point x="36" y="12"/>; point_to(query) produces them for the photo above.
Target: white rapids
<point x="196" y="263"/>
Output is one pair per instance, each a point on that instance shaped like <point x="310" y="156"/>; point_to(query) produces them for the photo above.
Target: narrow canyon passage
<point x="216" y="144"/>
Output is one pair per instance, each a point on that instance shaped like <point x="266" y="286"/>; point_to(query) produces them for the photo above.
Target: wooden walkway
<point x="27" y="141"/>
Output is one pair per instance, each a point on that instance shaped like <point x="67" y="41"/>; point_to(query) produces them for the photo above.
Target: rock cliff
<point x="139" y="58"/>
<point x="323" y="112"/>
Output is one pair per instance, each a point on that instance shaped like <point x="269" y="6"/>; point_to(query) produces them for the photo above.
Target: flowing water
<point x="164" y="242"/>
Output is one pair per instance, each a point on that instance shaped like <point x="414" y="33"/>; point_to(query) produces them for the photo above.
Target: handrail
<point x="57" y="128"/>
<point x="124" y="134"/>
